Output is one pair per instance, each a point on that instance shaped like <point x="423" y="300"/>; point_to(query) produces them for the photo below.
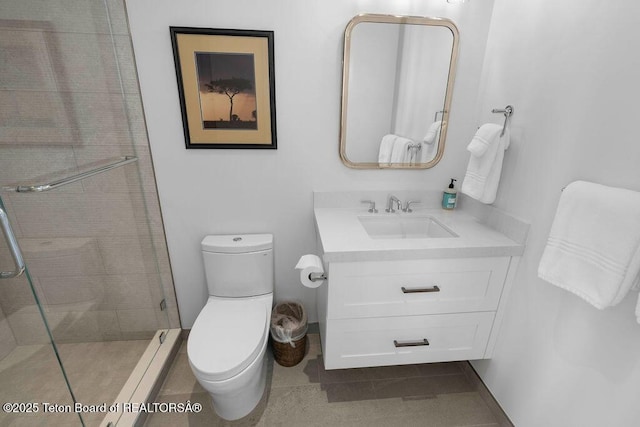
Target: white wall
<point x="571" y="71"/>
<point x="245" y="191"/>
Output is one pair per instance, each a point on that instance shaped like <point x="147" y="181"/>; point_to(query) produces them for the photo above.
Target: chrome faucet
<point x="372" y="206"/>
<point x="393" y="199"/>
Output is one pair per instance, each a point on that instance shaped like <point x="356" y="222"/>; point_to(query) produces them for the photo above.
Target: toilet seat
<point x="227" y="336"/>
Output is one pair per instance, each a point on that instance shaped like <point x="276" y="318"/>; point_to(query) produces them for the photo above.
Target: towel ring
<point x="507" y="111"/>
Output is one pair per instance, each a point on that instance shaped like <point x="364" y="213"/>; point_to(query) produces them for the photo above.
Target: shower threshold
<point x="145" y="380"/>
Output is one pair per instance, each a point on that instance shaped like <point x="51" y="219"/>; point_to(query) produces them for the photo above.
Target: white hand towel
<point x="429" y="148"/>
<point x="428" y="152"/>
<point x="483" y="139"/>
<point x="593" y="249"/>
<point x="386" y="147"/>
<point x="638" y="309"/>
<point x="400" y="152"/>
<point x="483" y="172"/>
<point x="433" y="133"/>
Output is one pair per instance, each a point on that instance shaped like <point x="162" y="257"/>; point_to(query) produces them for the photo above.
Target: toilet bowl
<point x="226" y="350"/>
<point x="227" y="343"/>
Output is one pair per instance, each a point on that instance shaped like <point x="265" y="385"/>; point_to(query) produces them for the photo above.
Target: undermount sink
<point x="404" y="227"/>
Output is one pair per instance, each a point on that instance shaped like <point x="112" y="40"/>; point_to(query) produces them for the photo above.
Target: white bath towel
<point x="483" y="171"/>
<point x="593" y="249"/>
<point x="433" y="133"/>
<point x="400" y="152"/>
<point x="386" y="147"/>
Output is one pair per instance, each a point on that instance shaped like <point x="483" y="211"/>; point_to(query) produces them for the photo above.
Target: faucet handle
<point x="407" y="206"/>
<point x="372" y="206"/>
<point x="393" y="200"/>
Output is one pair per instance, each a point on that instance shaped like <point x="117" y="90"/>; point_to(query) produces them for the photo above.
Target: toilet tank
<point x="238" y="265"/>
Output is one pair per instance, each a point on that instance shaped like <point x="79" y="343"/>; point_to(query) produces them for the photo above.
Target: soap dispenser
<point x="449" y="196"/>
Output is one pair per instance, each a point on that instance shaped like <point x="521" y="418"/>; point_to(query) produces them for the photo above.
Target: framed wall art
<point x="226" y="86"/>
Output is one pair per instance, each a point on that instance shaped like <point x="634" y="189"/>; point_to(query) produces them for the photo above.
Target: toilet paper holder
<point x="314" y="277"/>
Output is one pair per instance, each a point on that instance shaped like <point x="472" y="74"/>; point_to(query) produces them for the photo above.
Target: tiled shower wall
<point x="7" y="341"/>
<point x="95" y="249"/>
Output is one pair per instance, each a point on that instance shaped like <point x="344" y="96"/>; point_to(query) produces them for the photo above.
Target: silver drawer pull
<point x="433" y="288"/>
<point x="423" y="341"/>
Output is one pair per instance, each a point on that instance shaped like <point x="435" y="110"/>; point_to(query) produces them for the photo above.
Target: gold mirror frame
<point x="391" y="19"/>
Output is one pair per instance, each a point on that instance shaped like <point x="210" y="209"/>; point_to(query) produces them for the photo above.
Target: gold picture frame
<point x="226" y="86"/>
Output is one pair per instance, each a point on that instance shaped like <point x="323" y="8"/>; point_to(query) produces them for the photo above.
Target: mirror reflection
<point x="397" y="81"/>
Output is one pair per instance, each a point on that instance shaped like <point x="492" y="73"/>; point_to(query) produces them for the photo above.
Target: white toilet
<point x="227" y="343"/>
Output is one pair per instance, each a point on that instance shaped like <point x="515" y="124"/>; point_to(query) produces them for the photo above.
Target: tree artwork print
<point x="227" y="90"/>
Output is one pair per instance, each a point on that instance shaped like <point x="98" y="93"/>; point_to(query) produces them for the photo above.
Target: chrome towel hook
<point x="507" y="111"/>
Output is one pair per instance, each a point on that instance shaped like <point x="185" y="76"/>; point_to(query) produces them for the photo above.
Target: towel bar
<point x="68" y="180"/>
<point x="507" y="111"/>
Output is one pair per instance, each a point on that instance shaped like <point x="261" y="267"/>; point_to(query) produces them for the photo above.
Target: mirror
<point x="396" y="91"/>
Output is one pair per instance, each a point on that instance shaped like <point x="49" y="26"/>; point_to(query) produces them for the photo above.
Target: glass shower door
<point x="31" y="374"/>
<point x="97" y="289"/>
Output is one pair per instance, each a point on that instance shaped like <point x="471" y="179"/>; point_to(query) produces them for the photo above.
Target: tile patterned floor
<point x="96" y="371"/>
<point x="438" y="395"/>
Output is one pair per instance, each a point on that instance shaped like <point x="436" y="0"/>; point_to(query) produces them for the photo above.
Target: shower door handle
<point x="13" y="248"/>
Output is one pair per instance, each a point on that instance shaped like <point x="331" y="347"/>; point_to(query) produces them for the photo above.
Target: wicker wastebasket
<point x="288" y="332"/>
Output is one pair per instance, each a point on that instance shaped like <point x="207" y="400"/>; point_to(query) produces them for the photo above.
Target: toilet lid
<point x="226" y="337"/>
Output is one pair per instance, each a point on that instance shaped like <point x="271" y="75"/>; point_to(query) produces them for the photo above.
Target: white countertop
<point x="343" y="238"/>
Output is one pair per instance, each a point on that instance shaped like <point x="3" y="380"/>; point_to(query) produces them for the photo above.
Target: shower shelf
<point x="73" y="178"/>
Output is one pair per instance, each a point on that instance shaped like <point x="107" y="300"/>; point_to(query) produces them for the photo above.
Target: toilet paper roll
<point x="310" y="264"/>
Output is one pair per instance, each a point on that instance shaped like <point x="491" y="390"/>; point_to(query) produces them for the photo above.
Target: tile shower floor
<point x="96" y="370"/>
<point x="437" y="394"/>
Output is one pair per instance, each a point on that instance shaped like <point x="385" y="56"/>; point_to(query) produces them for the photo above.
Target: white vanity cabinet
<point x="374" y="313"/>
<point x="394" y="298"/>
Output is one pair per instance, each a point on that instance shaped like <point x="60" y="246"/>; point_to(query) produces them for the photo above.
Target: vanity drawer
<point x="414" y="287"/>
<point x="381" y="341"/>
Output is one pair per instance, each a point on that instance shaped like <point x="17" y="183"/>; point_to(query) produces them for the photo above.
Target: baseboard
<point x="483" y="391"/>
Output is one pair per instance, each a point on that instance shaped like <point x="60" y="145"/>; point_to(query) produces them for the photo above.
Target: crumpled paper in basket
<point x="288" y="322"/>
